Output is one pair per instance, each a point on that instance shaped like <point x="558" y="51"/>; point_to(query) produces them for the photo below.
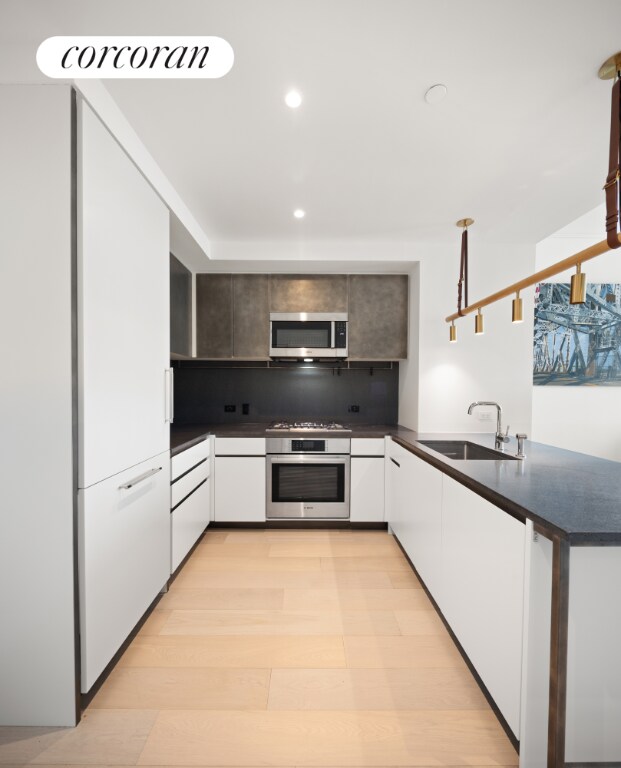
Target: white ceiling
<point x="520" y="142"/>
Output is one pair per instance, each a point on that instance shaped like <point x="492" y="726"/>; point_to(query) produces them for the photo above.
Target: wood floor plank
<point x="224" y="598"/>
<point x="372" y="738"/>
<point x="333" y="548"/>
<point x="209" y="548"/>
<point x="184" y="688"/>
<point x="395" y="563"/>
<point x="114" y="737"/>
<point x="155" y="622"/>
<point x="417" y="622"/>
<point x="236" y="651"/>
<point x="237" y="564"/>
<point x="284" y="579"/>
<point x="281" y="623"/>
<point x="404" y="580"/>
<point x="357" y="599"/>
<point x="414" y="652"/>
<point x="362" y="689"/>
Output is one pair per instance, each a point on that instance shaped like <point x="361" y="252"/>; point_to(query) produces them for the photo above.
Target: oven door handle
<point x="309" y="458"/>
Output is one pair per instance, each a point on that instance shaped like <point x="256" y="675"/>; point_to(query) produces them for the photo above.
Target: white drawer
<point x="186" y="484"/>
<point x="188" y="458"/>
<point x="240" y="446"/>
<point x="188" y="521"/>
<point x="367" y="446"/>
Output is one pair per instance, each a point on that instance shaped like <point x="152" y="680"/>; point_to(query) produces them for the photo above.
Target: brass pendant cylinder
<point x="478" y="323"/>
<point x="516" y="310"/>
<point x="452" y="333"/>
<point x="577" y="293"/>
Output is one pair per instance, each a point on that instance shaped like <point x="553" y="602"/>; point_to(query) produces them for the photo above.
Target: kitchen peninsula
<point x="554" y="508"/>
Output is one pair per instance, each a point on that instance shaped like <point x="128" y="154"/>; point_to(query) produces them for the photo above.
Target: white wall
<point x="586" y="418"/>
<point x="495" y="366"/>
<point x="37" y="676"/>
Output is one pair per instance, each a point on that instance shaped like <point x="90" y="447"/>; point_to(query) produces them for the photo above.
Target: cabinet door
<point x="308" y="293"/>
<point x="123" y="278"/>
<point x="251" y="317"/>
<point x="395" y="493"/>
<point x="124" y="557"/>
<point x="214" y="316"/>
<point x="367" y="489"/>
<point x="483" y="588"/>
<point x="180" y="308"/>
<point x="378" y="317"/>
<point x="421" y="531"/>
<point x="239" y="489"/>
<point x="188" y="521"/>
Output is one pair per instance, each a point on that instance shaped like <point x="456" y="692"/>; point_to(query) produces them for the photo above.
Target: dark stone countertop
<point x="571" y="495"/>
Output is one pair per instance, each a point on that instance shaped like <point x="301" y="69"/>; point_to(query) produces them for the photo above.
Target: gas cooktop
<point x="307" y="426"/>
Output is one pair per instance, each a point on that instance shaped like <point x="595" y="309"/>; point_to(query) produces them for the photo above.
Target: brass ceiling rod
<point x="610" y="70"/>
<point x="554" y="269"/>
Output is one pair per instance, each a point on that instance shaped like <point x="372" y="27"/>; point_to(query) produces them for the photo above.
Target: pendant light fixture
<point x="478" y="323"/>
<point x="452" y="333"/>
<point x="577" y="292"/>
<point x="517" y="315"/>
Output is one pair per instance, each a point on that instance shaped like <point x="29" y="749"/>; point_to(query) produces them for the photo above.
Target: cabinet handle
<point x="139" y="479"/>
<point x="169" y="395"/>
<point x="395" y="462"/>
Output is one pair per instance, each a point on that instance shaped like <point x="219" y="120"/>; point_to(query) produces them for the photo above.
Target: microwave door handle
<point x="332" y="334"/>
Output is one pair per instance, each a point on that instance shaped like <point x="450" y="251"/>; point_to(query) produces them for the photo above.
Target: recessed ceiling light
<point x="436" y="93"/>
<point x="293" y="99"/>
<point x="299" y="213"/>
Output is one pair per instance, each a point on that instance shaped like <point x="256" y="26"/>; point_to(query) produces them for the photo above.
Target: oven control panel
<point x="308" y="446"/>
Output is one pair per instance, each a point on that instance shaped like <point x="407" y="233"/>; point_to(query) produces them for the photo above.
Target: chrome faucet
<point x="500" y="437"/>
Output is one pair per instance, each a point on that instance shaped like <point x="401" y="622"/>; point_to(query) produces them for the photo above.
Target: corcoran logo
<point x="134" y="57"/>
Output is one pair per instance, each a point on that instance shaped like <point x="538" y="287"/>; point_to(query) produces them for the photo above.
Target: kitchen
<point x="358" y="228"/>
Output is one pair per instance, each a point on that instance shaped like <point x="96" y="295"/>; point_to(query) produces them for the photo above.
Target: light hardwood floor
<point x="283" y="648"/>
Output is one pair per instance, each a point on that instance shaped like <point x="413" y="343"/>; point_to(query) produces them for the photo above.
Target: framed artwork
<point x="577" y="344"/>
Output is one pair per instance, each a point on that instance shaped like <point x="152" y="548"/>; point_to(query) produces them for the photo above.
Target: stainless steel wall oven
<point x="308" y="478"/>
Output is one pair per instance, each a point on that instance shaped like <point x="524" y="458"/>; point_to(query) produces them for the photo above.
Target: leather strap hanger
<point x="613" y="185"/>
<point x="463" y="272"/>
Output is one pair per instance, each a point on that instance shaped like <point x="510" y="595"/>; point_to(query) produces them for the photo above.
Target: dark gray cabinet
<point x="180" y="309"/>
<point x="378" y="317"/>
<point x="251" y="316"/>
<point x="232" y="312"/>
<point x="308" y="293"/>
<point x="214" y="316"/>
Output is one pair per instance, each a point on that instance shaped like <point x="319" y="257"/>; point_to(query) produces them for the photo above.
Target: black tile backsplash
<point x="319" y="391"/>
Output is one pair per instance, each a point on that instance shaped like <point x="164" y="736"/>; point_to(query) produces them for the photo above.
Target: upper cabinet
<point x="232" y="312"/>
<point x="308" y="293"/>
<point x="180" y="309"/>
<point x="378" y="317"/>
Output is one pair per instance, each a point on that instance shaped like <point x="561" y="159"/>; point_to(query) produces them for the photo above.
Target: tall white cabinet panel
<point x="123" y="273"/>
<point x="367" y="489"/>
<point x="124" y="555"/>
<point x="483" y="588"/>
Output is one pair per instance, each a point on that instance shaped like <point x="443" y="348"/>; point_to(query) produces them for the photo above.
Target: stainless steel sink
<point x="463" y="450"/>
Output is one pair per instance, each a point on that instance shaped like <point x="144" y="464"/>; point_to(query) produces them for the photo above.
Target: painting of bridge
<point x="579" y="344"/>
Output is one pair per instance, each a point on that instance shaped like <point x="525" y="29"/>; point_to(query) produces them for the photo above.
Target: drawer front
<point x="186" y="484"/>
<point x="187" y="459"/>
<point x="240" y="446"/>
<point x="188" y="521"/>
<point x="367" y="446"/>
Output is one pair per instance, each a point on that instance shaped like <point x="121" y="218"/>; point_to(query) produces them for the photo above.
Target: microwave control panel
<point x="340" y="334"/>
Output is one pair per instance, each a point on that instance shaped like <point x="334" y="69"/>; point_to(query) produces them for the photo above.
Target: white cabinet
<point x="396" y="490"/>
<point x="367" y="480"/>
<point x="124" y="557"/>
<point x="239" y="480"/>
<point x="123" y="279"/>
<point x="483" y="588"/>
<point x="190" y="494"/>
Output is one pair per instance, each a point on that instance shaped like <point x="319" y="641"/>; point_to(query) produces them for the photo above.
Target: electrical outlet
<point x="354" y="409"/>
<point x="230" y="408"/>
<point x="485" y="416"/>
<point x="245" y="408"/>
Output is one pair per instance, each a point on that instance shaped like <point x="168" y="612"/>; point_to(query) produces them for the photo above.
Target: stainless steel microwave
<point x="308" y="334"/>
